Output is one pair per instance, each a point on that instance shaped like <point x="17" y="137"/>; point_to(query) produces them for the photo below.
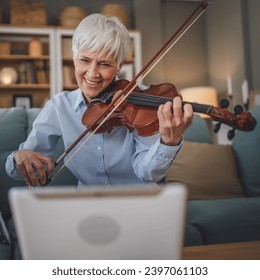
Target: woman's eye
<point x="86" y="60"/>
<point x="104" y="65"/>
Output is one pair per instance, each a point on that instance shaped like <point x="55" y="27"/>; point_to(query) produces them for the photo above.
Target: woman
<point x="100" y="46"/>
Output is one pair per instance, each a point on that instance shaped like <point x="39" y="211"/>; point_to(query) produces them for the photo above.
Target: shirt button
<point x="106" y="182"/>
<point x="99" y="148"/>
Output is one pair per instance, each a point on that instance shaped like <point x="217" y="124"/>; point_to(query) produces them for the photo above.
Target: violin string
<point x="124" y="95"/>
<point x="155" y="101"/>
<point x="140" y="96"/>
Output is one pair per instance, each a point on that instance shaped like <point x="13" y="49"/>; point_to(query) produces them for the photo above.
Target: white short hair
<point x="102" y="33"/>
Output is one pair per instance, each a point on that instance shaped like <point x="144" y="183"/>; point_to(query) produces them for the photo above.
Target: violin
<point x="139" y="110"/>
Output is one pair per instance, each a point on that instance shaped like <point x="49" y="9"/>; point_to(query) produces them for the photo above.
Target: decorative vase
<point x="116" y="10"/>
<point x="35" y="47"/>
<point x="71" y="16"/>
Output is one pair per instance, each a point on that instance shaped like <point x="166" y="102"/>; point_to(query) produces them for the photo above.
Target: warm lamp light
<point x="8" y="75"/>
<point x="201" y="95"/>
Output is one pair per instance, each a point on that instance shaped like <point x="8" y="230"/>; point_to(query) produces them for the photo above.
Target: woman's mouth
<point x="91" y="83"/>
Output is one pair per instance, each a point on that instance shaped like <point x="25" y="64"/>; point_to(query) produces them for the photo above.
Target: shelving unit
<point x="41" y="77"/>
<point x="35" y="78"/>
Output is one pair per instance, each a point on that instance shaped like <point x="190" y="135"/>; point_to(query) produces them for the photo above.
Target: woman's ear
<point x="119" y="68"/>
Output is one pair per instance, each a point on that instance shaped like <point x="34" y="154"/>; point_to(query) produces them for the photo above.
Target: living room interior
<point x="218" y="54"/>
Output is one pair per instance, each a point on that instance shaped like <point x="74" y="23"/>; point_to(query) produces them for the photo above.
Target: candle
<point x="245" y="94"/>
<point x="229" y="87"/>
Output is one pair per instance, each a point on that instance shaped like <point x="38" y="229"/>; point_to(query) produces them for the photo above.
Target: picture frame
<point x="24" y="101"/>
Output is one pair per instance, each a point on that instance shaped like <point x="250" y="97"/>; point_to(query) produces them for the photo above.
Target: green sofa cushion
<point x="192" y="236"/>
<point x="226" y="220"/>
<point x="198" y="131"/>
<point x="13" y="123"/>
<point x="32" y="113"/>
<point x="247" y="148"/>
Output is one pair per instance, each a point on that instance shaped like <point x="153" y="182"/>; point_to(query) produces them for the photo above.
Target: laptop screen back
<point x="100" y="223"/>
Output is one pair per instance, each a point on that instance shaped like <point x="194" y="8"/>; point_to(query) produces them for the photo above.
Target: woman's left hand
<point x="174" y="118"/>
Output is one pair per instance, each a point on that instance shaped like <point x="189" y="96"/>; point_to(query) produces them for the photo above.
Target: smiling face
<point x="94" y="72"/>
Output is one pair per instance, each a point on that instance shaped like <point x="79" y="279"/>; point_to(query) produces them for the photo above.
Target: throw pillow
<point x="13" y="123"/>
<point x="208" y="170"/>
<point x="247" y="148"/>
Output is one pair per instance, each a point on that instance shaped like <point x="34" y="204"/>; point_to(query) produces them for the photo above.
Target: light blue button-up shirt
<point x="119" y="157"/>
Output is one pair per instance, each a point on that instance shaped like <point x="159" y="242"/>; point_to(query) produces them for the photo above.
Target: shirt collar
<point x="79" y="100"/>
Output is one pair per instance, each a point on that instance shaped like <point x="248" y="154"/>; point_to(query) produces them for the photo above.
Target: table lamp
<point x="200" y="94"/>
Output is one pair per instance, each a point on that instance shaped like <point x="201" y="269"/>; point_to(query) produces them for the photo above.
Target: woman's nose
<point x="93" y="70"/>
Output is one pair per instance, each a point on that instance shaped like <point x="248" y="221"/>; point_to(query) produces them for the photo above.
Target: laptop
<point x="123" y="223"/>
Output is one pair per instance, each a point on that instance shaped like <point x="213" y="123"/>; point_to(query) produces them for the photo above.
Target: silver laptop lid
<point x="99" y="223"/>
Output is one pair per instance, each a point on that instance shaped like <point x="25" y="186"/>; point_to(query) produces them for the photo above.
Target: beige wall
<point x="254" y="42"/>
<point x="185" y="64"/>
<point x="225" y="46"/>
<point x="224" y="42"/>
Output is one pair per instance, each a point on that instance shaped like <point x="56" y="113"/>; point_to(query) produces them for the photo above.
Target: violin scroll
<point x="246" y="122"/>
<point x="238" y="120"/>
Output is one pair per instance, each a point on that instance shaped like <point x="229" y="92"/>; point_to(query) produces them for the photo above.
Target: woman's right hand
<point x="31" y="163"/>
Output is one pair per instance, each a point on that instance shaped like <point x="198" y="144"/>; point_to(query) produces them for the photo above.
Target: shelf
<point x="25" y="86"/>
<point x="16" y="26"/>
<point x="14" y="57"/>
<point x="72" y="87"/>
<point x="67" y="59"/>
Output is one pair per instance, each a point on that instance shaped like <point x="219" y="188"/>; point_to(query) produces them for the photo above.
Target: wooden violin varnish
<point x="35" y="47"/>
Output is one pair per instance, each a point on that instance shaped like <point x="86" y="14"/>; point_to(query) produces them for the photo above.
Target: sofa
<point x="223" y="181"/>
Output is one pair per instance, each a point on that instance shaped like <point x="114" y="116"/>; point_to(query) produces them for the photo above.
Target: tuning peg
<point x="224" y="103"/>
<point x="217" y="127"/>
<point x="231" y="133"/>
<point x="238" y="109"/>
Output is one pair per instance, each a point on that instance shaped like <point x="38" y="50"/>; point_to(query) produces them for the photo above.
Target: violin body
<point x="138" y="111"/>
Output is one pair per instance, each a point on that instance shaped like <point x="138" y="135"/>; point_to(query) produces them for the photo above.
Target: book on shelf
<point x="40" y="71"/>
<point x="67" y="47"/>
<point x="30" y="78"/>
<point x="33" y="72"/>
<point x="68" y="76"/>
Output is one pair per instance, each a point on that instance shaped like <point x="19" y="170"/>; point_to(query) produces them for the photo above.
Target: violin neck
<point x="147" y="100"/>
<point x="200" y="108"/>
